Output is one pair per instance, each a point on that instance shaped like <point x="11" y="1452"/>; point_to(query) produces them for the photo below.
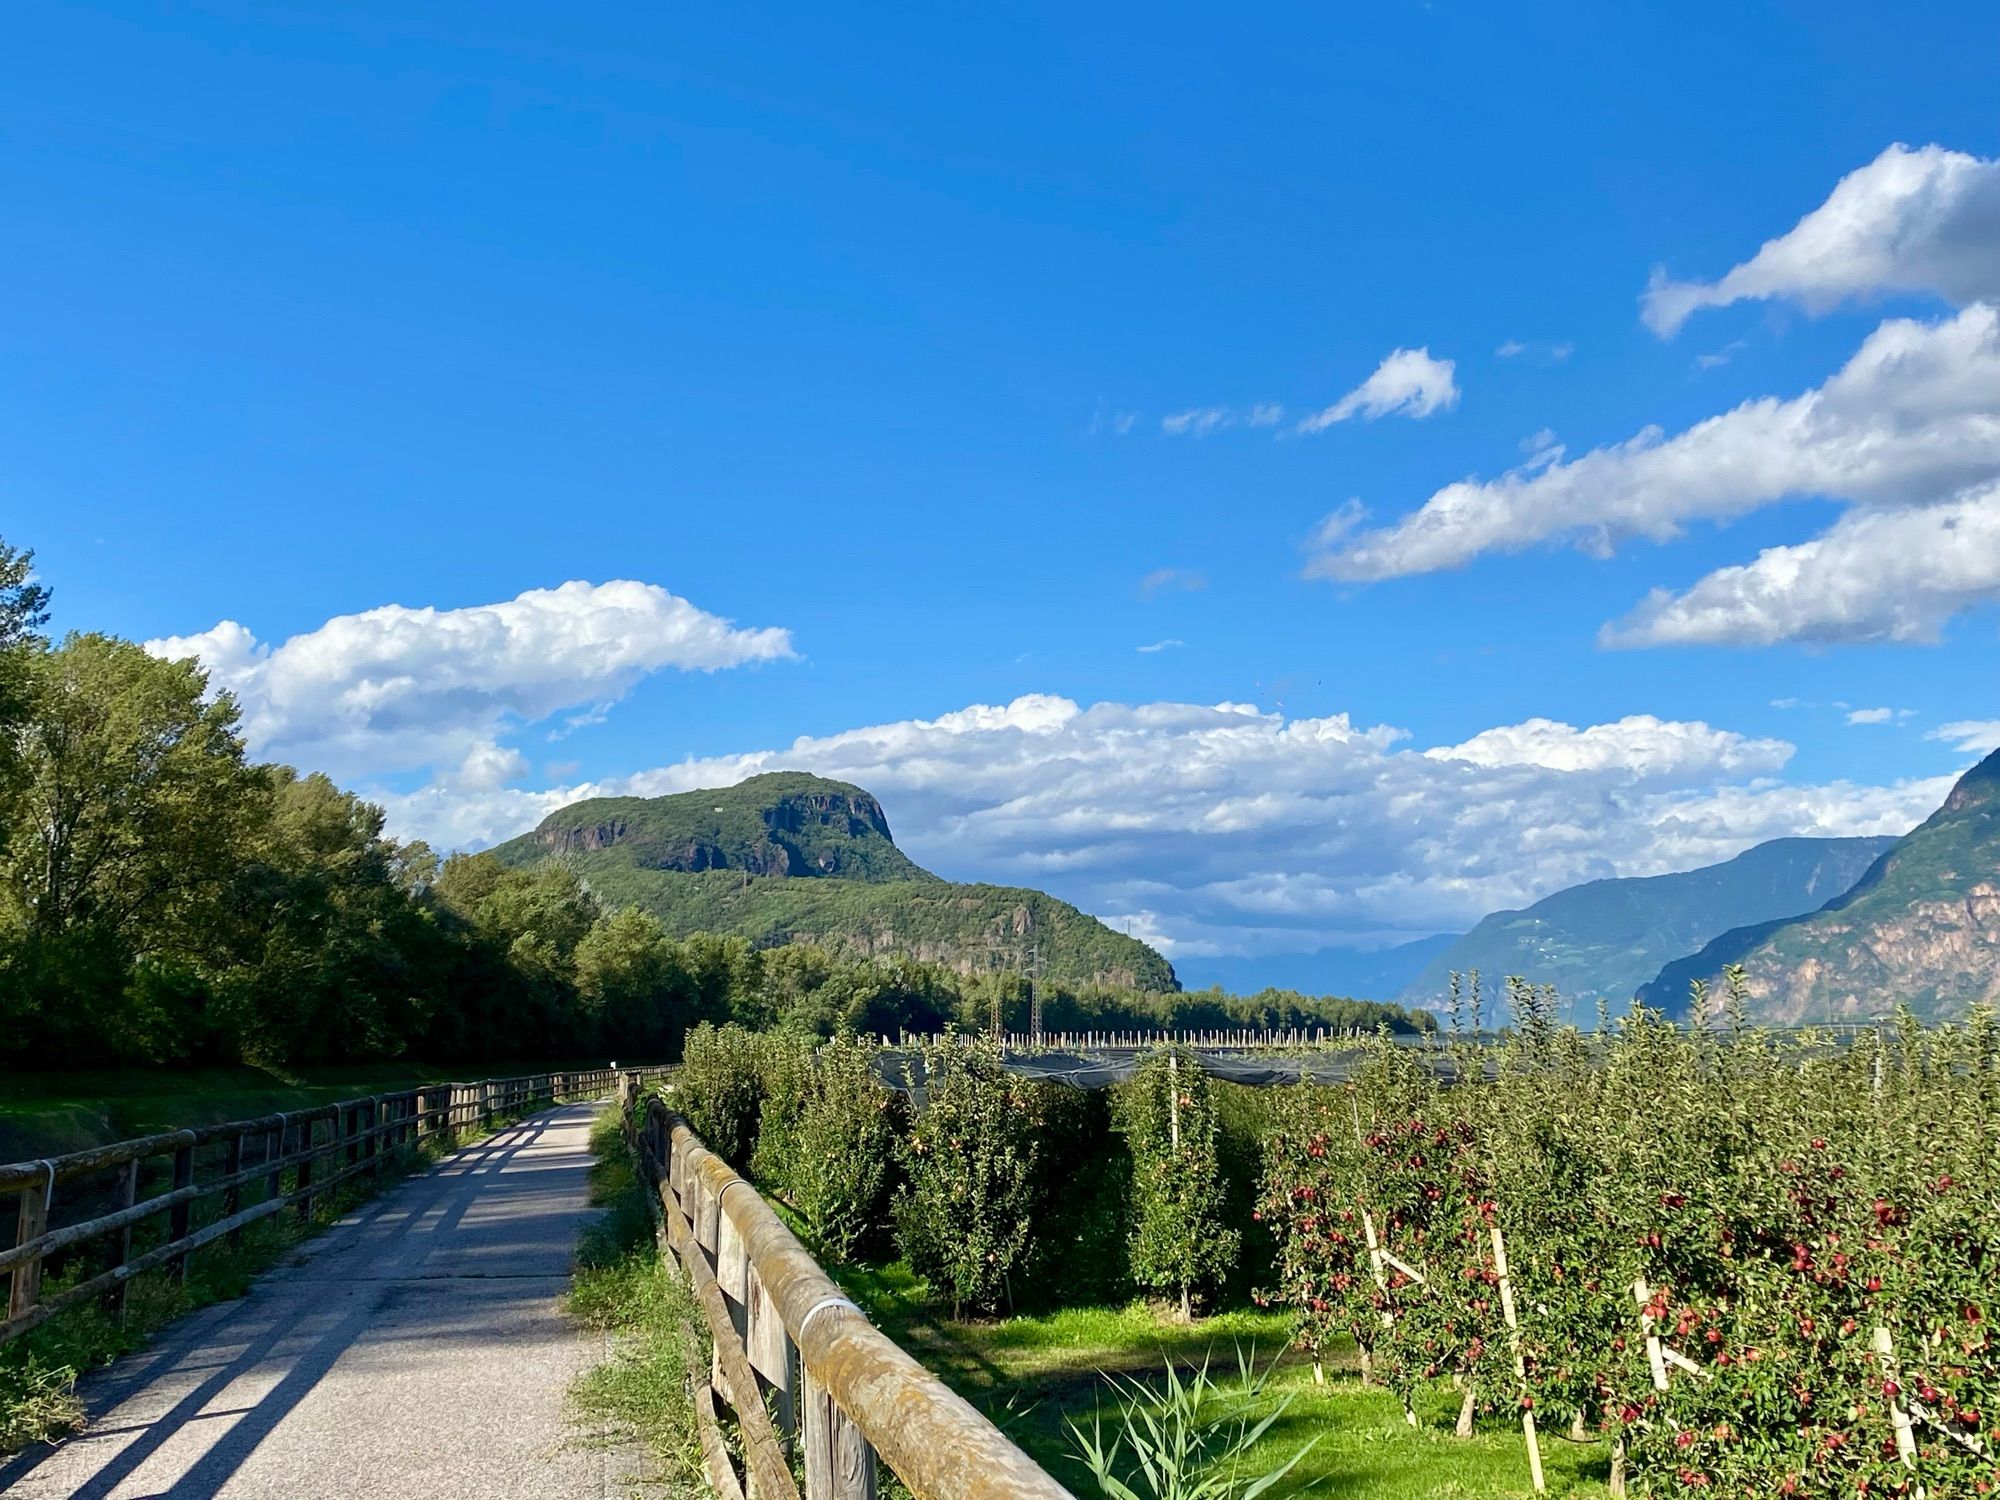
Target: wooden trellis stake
<point x="1520" y="1360"/>
<point x="1899" y="1414"/>
<point x="1375" y="1258"/>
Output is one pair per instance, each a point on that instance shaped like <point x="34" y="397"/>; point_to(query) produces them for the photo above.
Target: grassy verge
<point x="624" y="1288"/>
<point x="39" y="1370"/>
<point x="1032" y="1374"/>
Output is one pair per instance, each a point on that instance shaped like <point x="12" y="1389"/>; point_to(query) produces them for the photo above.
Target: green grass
<point x="624" y="1287"/>
<point x="1029" y="1374"/>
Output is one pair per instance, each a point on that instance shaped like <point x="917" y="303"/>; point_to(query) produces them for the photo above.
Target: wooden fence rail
<point x="321" y="1148"/>
<point x="801" y="1366"/>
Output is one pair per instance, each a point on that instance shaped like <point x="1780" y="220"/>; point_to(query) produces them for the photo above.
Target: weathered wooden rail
<point x="283" y="1160"/>
<point x="801" y="1366"/>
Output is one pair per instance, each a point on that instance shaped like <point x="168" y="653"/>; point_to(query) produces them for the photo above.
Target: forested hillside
<point x="787" y="857"/>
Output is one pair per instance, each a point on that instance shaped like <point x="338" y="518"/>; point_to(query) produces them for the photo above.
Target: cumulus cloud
<point x="1407" y="383"/>
<point x="1870" y="715"/>
<point x="1640" y="746"/>
<point x="1912" y="418"/>
<point x="395" y="688"/>
<point x="1972" y="736"/>
<point x="1924" y="220"/>
<point x="1225" y="828"/>
<point x="1876" y="575"/>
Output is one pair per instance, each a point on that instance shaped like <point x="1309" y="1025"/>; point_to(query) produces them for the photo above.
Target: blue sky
<point x="860" y="330"/>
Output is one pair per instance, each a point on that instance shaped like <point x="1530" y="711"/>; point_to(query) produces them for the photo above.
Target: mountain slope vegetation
<point x="1606" y="938"/>
<point x="1920" y="928"/>
<point x="788" y="857"/>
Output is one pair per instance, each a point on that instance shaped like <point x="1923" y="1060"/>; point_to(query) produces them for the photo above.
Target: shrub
<point x="1181" y="1245"/>
<point x="842" y="1146"/>
<point x="785" y="1077"/>
<point x="964" y="1213"/>
<point x="720" y="1089"/>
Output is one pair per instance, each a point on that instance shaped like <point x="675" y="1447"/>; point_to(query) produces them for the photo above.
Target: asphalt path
<point x="417" y="1350"/>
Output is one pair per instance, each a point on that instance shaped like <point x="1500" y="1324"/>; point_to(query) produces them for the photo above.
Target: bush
<point x="720" y="1089"/>
<point x="785" y="1073"/>
<point x="842" y="1150"/>
<point x="1181" y="1245"/>
<point x="964" y="1214"/>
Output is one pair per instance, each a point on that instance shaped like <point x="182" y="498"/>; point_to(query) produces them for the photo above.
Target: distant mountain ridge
<point x="1606" y="938"/>
<point x="790" y="857"/>
<point x="1921" y="928"/>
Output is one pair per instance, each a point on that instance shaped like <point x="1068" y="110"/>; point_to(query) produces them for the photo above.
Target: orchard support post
<point x="1520" y="1361"/>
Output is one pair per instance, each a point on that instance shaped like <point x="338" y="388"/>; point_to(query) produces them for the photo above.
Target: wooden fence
<point x="279" y="1161"/>
<point x="803" y="1369"/>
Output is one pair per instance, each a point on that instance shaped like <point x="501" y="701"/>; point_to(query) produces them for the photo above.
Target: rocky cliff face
<point x="1921" y="928"/>
<point x="788" y="857"/>
<point x="1605" y="939"/>
<point x="781" y="824"/>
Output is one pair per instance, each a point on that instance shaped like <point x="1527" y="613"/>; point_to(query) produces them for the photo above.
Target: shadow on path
<point x="418" y="1344"/>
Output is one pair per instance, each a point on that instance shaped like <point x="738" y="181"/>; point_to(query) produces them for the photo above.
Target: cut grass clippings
<point x="626" y="1289"/>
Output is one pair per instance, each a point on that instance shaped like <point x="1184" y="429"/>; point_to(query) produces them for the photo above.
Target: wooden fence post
<point x="309" y="1129"/>
<point x="232" y="1196"/>
<point x="31" y="1222"/>
<point x="179" y="1217"/>
<point x="127" y="1195"/>
<point x="274" y="1151"/>
<point x="839" y="1463"/>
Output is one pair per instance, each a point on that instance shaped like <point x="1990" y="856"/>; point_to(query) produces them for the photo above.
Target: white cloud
<point x="1165" y="645"/>
<point x="1924" y="220"/>
<point x="1226" y="829"/>
<point x="1642" y="746"/>
<point x="1972" y="736"/>
<point x="1408" y="383"/>
<point x="1172" y="580"/>
<point x="1870" y="715"/>
<point x="1266" y="414"/>
<point x="395" y="688"/>
<point x="1876" y="575"/>
<point x="1198" y="421"/>
<point x="1913" y="417"/>
<point x="1554" y="352"/>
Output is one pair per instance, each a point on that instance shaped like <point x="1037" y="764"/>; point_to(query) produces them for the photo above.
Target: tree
<point x="337" y="955"/>
<point x="1180" y="1245"/>
<point x="632" y="983"/>
<point x="134" y="807"/>
<point x="963" y="1215"/>
<point x="136" y="796"/>
<point x="24" y="609"/>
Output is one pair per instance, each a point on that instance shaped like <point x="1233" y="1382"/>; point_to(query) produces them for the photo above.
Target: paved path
<point x="419" y="1349"/>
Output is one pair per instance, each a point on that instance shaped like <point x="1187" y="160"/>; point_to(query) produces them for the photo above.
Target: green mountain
<point x="1604" y="939"/>
<point x="788" y="857"/>
<point x="1920" y="928"/>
